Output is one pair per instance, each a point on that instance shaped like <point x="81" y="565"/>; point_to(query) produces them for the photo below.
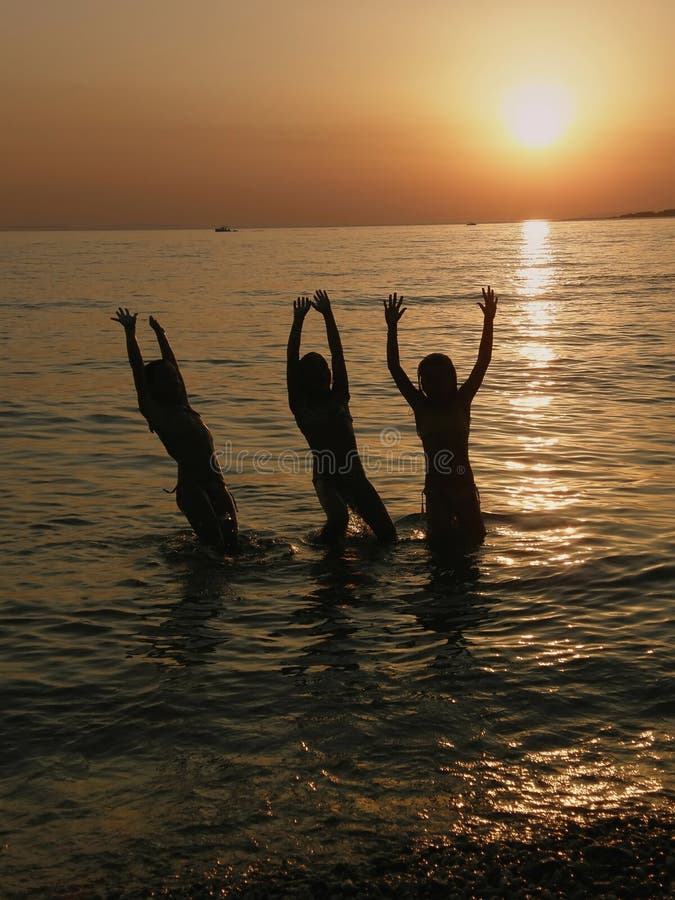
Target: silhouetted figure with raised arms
<point x="443" y="418"/>
<point x="201" y="492"/>
<point x="321" y="409"/>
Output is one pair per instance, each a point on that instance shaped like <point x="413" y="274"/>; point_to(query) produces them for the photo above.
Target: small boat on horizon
<point x="470" y="223"/>
<point x="222" y="228"/>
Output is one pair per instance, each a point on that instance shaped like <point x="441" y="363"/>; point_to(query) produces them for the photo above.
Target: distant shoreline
<point x="661" y="214"/>
<point x="644" y="214"/>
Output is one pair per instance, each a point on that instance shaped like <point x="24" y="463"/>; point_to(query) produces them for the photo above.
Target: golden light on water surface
<point x="536" y="272"/>
<point x="537" y="489"/>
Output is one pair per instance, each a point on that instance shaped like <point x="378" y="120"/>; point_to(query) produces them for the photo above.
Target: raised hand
<point x="301" y="307"/>
<point x="392" y="309"/>
<point x="126" y="319"/>
<point x="490" y="306"/>
<point x="321" y="302"/>
<point x="154" y="324"/>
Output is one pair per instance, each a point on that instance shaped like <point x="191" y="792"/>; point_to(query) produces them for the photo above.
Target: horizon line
<point x="662" y="213"/>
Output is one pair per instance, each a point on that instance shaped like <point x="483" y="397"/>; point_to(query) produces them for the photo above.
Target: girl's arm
<point x="163" y="341"/>
<point x="300" y="309"/>
<point x="392" y="313"/>
<point x="338" y="365"/>
<point x="128" y="322"/>
<point x="166" y="349"/>
<point x="475" y="379"/>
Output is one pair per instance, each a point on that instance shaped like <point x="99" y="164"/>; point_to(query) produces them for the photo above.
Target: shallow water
<point x="170" y="715"/>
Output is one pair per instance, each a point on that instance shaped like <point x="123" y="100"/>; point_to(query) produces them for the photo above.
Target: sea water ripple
<point x="170" y="716"/>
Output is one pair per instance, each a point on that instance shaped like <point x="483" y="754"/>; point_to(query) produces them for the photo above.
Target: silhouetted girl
<point x="443" y="417"/>
<point x="321" y="409"/>
<point x="201" y="492"/>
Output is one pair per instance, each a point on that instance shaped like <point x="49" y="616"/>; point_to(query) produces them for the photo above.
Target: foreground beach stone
<point x="610" y="858"/>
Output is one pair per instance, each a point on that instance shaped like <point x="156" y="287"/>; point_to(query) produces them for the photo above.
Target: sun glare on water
<point x="537" y="114"/>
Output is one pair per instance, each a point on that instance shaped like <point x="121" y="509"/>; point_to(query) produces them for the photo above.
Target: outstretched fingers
<point x="321" y="301"/>
<point x="393" y="308"/>
<point x="491" y="300"/>
<point x="301" y="306"/>
<point x="124" y="317"/>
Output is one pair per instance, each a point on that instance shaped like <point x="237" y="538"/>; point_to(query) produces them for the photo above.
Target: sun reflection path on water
<point x="535" y="277"/>
<point x="537" y="272"/>
<point x="535" y="318"/>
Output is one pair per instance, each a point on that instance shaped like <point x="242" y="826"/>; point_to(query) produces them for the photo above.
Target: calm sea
<point x="179" y="724"/>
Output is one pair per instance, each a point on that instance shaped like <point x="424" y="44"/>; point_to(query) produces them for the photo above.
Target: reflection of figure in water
<point x="443" y="416"/>
<point x="201" y="492"/>
<point x="190" y="628"/>
<point x="321" y="410"/>
<point x="338" y="583"/>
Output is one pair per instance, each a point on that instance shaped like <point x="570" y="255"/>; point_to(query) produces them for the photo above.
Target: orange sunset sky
<point x="160" y="112"/>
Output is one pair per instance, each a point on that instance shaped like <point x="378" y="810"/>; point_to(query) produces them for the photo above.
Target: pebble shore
<point x="612" y="858"/>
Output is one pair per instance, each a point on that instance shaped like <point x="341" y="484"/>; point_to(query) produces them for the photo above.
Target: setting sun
<point x="498" y="112"/>
<point x="537" y="114"/>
